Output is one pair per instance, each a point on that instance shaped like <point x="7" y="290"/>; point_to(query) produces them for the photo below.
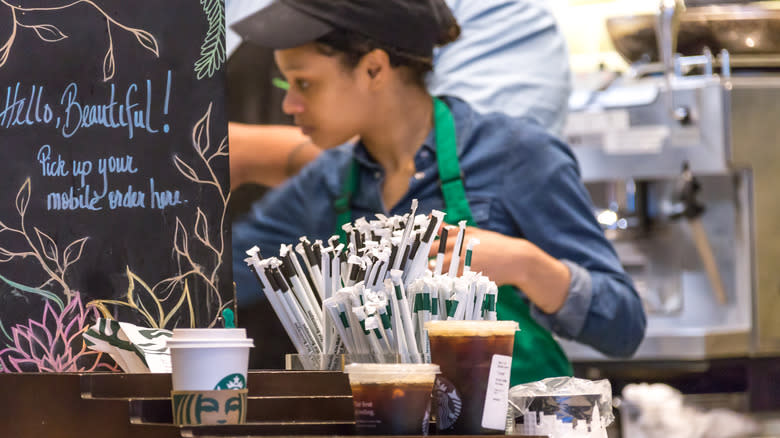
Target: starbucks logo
<point x="426" y="422"/>
<point x="233" y="381"/>
<point x="448" y="403"/>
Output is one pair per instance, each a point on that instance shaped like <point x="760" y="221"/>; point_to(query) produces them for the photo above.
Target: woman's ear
<point x="376" y="65"/>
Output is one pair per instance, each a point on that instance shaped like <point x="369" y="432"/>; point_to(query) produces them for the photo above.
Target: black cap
<point x="412" y="26"/>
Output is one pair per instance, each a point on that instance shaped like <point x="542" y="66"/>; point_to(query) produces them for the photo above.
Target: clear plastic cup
<point x="464" y="350"/>
<point x="391" y="399"/>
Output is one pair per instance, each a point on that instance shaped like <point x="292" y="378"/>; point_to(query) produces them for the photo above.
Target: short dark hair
<point x="352" y="46"/>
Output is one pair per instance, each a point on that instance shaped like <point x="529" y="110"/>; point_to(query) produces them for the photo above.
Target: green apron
<point x="536" y="354"/>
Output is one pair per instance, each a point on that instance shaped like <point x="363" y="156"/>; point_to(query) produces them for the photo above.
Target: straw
<point x="455" y="260"/>
<point x="376" y="291"/>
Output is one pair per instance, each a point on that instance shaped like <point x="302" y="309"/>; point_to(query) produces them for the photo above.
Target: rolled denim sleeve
<point x="552" y="209"/>
<point x="569" y="320"/>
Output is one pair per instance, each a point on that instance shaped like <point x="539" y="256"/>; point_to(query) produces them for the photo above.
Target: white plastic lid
<point x="209" y="333"/>
<point x="392" y="372"/>
<point x="471" y="328"/>
<point x="210" y="343"/>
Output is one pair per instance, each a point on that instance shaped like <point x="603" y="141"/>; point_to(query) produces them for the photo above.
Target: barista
<point x="358" y="66"/>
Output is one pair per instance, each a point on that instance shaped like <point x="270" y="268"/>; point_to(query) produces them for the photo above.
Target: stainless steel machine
<point x="682" y="158"/>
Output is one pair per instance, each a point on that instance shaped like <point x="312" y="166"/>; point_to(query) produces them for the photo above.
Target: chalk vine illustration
<point x="54" y="343"/>
<point x="51" y="34"/>
<point x="212" y="51"/>
<point x="148" y="301"/>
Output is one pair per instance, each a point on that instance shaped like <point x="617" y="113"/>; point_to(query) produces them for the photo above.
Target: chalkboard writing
<point x="114" y="173"/>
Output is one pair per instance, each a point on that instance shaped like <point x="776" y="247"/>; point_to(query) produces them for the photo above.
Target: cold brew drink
<point x="391" y="399"/>
<point x="464" y="351"/>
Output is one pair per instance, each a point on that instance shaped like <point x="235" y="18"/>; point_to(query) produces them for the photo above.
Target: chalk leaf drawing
<point x="40" y="248"/>
<point x="51" y="34"/>
<point x="212" y="50"/>
<point x="168" y="303"/>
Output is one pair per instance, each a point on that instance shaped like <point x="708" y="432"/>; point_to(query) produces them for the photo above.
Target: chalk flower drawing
<point x="149" y="301"/>
<point x="53" y="344"/>
<point x="212" y="51"/>
<point x="51" y="34"/>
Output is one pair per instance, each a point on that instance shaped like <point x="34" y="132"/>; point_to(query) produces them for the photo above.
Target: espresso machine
<point x="681" y="156"/>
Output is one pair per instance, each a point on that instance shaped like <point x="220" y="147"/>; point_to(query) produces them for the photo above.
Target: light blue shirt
<point x="511" y="58"/>
<point x="519" y="180"/>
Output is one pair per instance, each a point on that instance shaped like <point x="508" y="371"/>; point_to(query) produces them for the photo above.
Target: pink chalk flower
<point x="54" y="344"/>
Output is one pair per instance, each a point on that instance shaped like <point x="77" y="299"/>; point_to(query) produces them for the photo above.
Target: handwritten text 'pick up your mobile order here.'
<point x="130" y="110"/>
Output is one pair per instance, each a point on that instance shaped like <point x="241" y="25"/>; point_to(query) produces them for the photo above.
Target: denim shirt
<point x="519" y="180"/>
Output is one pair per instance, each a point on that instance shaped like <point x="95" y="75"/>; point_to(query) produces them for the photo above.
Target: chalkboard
<point x="113" y="173"/>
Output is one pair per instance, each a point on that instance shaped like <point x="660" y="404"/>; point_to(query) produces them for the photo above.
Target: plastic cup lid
<point x="209" y="333"/>
<point x="471" y="328"/>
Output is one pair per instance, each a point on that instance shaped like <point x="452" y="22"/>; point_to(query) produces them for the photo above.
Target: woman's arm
<point x="267" y="154"/>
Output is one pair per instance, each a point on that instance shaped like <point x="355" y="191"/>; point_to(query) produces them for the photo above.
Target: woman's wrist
<point x="543" y="278"/>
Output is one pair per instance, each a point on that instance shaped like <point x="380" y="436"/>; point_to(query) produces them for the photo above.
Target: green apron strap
<point x="450" y="177"/>
<point x="342" y="206"/>
<point x="536" y="354"/>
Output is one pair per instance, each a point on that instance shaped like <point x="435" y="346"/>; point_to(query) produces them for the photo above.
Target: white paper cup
<point x="209" y="359"/>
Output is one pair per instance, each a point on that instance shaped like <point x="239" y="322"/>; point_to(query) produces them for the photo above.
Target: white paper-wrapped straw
<point x="335" y="269"/>
<point x="288" y="253"/>
<point x="293" y="309"/>
<point x="406" y="318"/>
<point x="420" y="262"/>
<point x="306" y="350"/>
<point x="469" y="251"/>
<point x="407" y="232"/>
<point x="311" y="311"/>
<point x="398" y="325"/>
<point x="479" y="300"/>
<point x="455" y="260"/>
<point x="492" y="293"/>
<point x="304" y="248"/>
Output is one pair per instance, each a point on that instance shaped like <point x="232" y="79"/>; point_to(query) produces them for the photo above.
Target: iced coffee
<point x="391" y="399"/>
<point x="464" y="351"/>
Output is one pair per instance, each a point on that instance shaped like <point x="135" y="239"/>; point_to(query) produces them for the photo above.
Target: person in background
<point x="351" y="72"/>
<point x="511" y="57"/>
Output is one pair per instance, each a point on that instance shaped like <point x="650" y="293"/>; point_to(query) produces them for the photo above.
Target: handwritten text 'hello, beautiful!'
<point x="129" y="108"/>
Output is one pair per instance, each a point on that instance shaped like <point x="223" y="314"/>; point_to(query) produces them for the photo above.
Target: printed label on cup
<point x="233" y="381"/>
<point x="497" y="394"/>
<point x="448" y="403"/>
<point x="209" y="407"/>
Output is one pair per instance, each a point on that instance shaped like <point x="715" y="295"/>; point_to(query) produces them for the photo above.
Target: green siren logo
<point x="209" y="407"/>
<point x="233" y="381"/>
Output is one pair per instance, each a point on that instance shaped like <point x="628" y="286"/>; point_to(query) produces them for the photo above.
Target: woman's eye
<point x="302" y="84"/>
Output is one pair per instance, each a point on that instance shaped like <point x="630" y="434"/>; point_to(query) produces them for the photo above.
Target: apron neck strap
<point x="450" y="176"/>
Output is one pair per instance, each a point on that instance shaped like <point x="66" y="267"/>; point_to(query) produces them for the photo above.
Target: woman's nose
<point x="292" y="104"/>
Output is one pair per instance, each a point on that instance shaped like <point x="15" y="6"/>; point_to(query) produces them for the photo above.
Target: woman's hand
<point x="513" y="261"/>
<point x="496" y="256"/>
